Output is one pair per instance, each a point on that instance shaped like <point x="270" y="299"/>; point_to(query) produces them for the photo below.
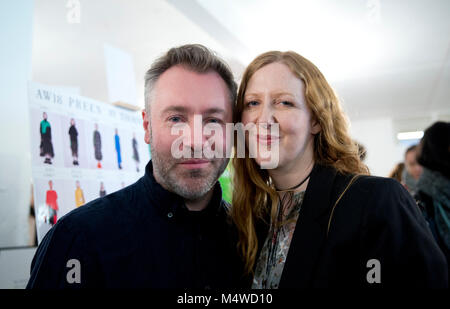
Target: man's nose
<point x="197" y="138"/>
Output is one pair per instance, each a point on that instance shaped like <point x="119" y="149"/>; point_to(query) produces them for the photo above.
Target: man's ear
<point x="146" y="125"/>
<point x="315" y="126"/>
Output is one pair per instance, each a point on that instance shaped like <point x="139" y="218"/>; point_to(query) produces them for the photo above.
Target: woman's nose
<point x="266" y="115"/>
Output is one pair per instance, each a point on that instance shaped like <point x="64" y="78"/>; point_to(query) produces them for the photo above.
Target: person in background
<point x="362" y="151"/>
<point x="433" y="187"/>
<point x="412" y="171"/>
<point x="397" y="172"/>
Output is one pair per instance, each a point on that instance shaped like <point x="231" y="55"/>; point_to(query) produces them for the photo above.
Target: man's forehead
<point x="179" y="78"/>
<point x="189" y="108"/>
<point x="192" y="91"/>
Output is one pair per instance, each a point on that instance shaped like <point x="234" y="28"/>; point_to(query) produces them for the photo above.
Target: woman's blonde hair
<point x="254" y="197"/>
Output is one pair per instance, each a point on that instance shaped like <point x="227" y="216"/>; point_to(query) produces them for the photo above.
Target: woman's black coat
<point x="376" y="220"/>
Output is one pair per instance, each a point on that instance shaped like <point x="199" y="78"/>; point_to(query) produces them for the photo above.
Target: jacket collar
<point x="310" y="231"/>
<point x="170" y="204"/>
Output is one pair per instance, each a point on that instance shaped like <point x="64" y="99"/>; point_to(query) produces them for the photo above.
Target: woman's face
<point x="274" y="95"/>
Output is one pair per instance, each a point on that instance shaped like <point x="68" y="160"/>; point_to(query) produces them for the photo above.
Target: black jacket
<point x="375" y="219"/>
<point x="429" y="212"/>
<point x="140" y="236"/>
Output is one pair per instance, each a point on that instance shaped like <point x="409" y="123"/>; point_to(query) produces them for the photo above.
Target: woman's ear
<point x="315" y="126"/>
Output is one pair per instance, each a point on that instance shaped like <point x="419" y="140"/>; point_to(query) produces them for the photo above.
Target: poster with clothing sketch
<point x="74" y="142"/>
<point x="51" y="200"/>
<point x="79" y="195"/>
<point x="81" y="149"/>
<point x="97" y="142"/>
<point x="117" y="147"/>
<point x="46" y="146"/>
<point x="46" y="204"/>
<point x="134" y="145"/>
<point x="101" y="153"/>
<point x="45" y="137"/>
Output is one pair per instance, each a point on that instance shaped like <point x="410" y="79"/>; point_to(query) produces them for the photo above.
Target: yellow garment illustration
<point x="79" y="197"/>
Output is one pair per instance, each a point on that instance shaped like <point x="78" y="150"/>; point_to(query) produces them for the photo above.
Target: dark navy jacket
<point x="140" y="236"/>
<point x="376" y="219"/>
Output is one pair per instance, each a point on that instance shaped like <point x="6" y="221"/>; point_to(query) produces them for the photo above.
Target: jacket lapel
<point x="310" y="231"/>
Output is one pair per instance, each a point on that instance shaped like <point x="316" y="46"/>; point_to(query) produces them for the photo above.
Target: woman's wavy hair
<point x="254" y="196"/>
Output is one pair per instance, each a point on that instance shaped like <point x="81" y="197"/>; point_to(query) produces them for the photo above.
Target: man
<point x="170" y="228"/>
<point x="412" y="171"/>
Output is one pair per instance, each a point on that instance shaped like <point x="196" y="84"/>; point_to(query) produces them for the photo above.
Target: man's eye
<point x="175" y="119"/>
<point x="213" y="120"/>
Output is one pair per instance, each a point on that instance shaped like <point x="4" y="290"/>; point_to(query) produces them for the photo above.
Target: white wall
<point x="15" y="265"/>
<point x="16" y="19"/>
<point x="379" y="138"/>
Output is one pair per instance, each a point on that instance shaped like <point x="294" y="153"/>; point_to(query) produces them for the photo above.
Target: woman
<point x="317" y="219"/>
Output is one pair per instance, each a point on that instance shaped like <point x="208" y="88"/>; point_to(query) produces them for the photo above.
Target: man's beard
<point x="189" y="184"/>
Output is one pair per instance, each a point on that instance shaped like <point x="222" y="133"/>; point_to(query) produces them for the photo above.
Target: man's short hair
<point x="194" y="57"/>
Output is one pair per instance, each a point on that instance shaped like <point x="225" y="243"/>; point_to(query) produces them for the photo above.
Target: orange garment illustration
<point x="51" y="201"/>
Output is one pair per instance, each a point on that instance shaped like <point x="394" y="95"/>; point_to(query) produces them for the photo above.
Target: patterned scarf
<point x="437" y="186"/>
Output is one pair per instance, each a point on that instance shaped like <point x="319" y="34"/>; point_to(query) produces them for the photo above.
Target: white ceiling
<point x="72" y="54"/>
<point x="384" y="58"/>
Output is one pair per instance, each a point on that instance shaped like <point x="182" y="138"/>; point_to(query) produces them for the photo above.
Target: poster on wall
<point x="81" y="149"/>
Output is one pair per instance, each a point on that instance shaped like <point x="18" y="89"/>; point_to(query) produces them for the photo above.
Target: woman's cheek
<point x="246" y="118"/>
